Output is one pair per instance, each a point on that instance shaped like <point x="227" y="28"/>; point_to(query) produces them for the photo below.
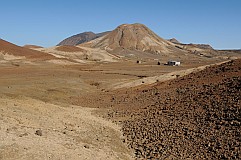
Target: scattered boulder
<point x="39" y="132"/>
<point x="86" y="146"/>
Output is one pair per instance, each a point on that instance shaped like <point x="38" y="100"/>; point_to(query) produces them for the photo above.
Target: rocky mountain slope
<point x="81" y="38"/>
<point x="136" y="41"/>
<point x="197" y="116"/>
<point x="134" y="37"/>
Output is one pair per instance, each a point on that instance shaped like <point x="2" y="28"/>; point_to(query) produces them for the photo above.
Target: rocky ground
<point x="197" y="116"/>
<point x="49" y="111"/>
<point x="51" y="99"/>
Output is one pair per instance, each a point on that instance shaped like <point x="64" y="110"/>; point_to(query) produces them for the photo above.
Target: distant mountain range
<point x="132" y="37"/>
<point x="81" y="38"/>
<point x="174" y="40"/>
<point x="127" y="41"/>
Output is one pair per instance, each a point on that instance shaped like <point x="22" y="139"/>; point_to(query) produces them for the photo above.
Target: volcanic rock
<point x="197" y="116"/>
<point x="81" y="38"/>
<point x="39" y="132"/>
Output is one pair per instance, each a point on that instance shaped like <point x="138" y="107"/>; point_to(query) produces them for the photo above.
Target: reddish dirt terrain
<point x="15" y="50"/>
<point x="31" y="46"/>
<point x="167" y="115"/>
<point x="197" y="116"/>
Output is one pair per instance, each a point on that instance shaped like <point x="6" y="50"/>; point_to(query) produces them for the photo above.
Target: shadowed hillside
<point x="81" y="38"/>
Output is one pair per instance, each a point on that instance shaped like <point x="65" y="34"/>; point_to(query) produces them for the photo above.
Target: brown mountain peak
<point x="132" y="37"/>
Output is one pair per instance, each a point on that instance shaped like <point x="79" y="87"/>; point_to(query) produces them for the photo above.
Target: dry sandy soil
<point x="52" y="111"/>
<point x="38" y="97"/>
<point x="33" y="129"/>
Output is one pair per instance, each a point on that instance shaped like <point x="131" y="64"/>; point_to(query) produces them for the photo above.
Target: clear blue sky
<point x="47" y="22"/>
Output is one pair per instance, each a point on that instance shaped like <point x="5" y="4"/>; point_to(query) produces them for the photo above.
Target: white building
<point x="173" y="63"/>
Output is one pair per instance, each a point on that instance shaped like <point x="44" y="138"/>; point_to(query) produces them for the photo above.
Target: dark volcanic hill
<point x="173" y="40"/>
<point x="134" y="37"/>
<point x="81" y="38"/>
<point x="12" y="49"/>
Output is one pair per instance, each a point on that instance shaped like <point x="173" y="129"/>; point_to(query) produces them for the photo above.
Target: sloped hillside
<point x="31" y="46"/>
<point x="135" y="37"/>
<point x="69" y="49"/>
<point x="199" y="118"/>
<point x="14" y="50"/>
<point x="193" y="117"/>
<point x="81" y="38"/>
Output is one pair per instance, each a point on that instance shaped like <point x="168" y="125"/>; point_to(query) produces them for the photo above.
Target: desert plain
<point x="86" y="102"/>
